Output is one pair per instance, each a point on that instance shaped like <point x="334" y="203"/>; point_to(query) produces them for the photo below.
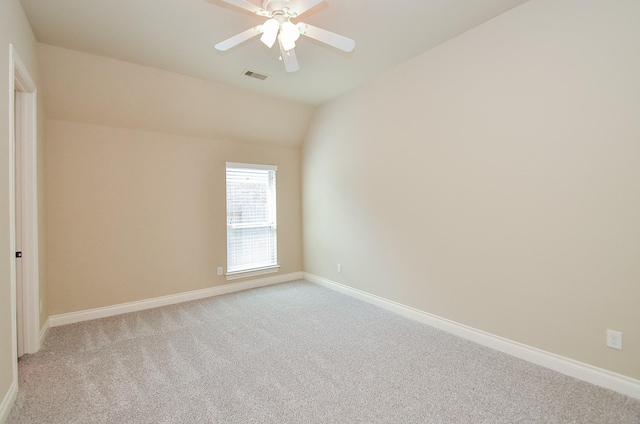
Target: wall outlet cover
<point x="614" y="339"/>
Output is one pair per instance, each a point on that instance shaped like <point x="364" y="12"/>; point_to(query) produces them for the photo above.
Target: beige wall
<point x="494" y="181"/>
<point x="91" y="89"/>
<point x="135" y="177"/>
<point x="14" y="29"/>
<point x="135" y="215"/>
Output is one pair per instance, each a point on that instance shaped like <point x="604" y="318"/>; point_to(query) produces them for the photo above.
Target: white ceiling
<point x="179" y="36"/>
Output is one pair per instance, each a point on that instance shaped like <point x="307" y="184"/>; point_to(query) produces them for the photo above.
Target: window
<point x="251" y="220"/>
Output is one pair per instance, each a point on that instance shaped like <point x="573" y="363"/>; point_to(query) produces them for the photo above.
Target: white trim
<point x="12" y="218"/>
<point x="585" y="372"/>
<point x="237" y="165"/>
<point x="20" y="79"/>
<point x="236" y="275"/>
<point x="25" y="82"/>
<point x="123" y="308"/>
<point x="8" y="401"/>
<point x="31" y="310"/>
<point x="44" y="331"/>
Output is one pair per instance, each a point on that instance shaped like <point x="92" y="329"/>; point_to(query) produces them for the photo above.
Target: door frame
<point x="20" y="80"/>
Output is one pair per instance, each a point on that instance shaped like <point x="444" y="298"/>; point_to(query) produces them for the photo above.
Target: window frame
<point x="259" y="270"/>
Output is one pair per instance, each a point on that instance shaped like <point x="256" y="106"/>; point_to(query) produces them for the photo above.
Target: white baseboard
<point x="123" y="308"/>
<point x="8" y="401"/>
<point x="585" y="372"/>
<point x="43" y="332"/>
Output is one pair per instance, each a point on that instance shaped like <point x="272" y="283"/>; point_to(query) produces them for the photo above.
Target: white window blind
<point x="251" y="217"/>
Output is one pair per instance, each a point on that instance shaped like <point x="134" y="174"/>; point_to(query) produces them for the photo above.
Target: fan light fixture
<point x="270" y="32"/>
<point x="289" y="34"/>
<point x="286" y="32"/>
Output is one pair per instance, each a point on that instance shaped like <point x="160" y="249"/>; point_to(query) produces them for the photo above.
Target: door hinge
<point x="18" y="254"/>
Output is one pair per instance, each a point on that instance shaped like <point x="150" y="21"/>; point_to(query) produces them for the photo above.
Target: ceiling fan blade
<point x="246" y="5"/>
<point x="289" y="58"/>
<point x="300" y="6"/>
<point x="225" y="45"/>
<point x="327" y="37"/>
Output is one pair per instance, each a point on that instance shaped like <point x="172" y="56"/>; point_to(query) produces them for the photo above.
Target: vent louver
<point x="255" y="75"/>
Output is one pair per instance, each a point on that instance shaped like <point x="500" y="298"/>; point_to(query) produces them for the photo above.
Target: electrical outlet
<point x="339" y="268"/>
<point x="614" y="339"/>
<point x="219" y="270"/>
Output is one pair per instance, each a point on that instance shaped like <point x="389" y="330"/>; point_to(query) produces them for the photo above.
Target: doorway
<point x="23" y="198"/>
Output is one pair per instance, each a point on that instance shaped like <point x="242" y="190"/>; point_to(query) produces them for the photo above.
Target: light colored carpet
<point x="291" y="353"/>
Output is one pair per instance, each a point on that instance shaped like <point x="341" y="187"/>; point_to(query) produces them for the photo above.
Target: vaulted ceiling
<point x="179" y="36"/>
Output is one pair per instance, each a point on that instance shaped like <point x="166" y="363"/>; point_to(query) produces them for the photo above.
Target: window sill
<point x="252" y="272"/>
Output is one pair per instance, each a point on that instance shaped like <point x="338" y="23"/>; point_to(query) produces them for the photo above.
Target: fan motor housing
<point x="273" y="6"/>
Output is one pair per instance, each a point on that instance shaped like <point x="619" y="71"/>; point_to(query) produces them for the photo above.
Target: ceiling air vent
<point x="255" y="75"/>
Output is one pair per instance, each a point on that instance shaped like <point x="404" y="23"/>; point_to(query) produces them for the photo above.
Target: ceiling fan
<point x="279" y="27"/>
